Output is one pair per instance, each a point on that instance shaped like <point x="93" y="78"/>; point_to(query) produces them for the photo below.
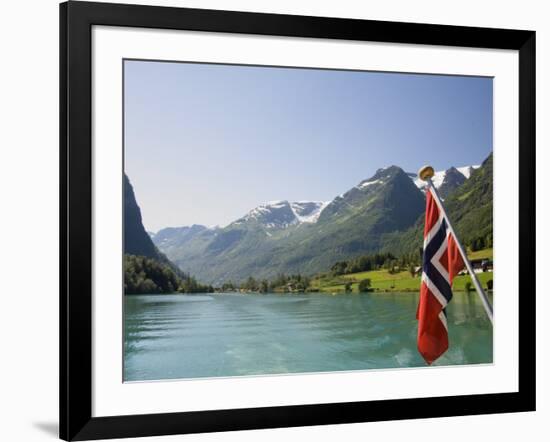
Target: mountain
<point x="469" y="207"/>
<point x="388" y="200"/>
<point x="146" y="269"/>
<point x="382" y="213"/>
<point x="283" y="214"/>
<point x="452" y="180"/>
<point x="446" y="181"/>
<point x="273" y="215"/>
<point x="136" y="239"/>
<point x="172" y="238"/>
<point x="306" y="237"/>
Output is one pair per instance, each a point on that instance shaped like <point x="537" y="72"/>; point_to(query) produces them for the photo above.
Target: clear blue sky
<point x="206" y="143"/>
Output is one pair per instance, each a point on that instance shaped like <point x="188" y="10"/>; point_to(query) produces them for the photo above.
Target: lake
<point x="213" y="335"/>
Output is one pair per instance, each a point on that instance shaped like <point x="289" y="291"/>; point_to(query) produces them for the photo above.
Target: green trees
<point x="364" y="285"/>
<point x="228" y="286"/>
<point x="188" y="284"/>
<point x="281" y="283"/>
<point x="366" y="263"/>
<point x="363" y="263"/>
<point x="339" y="268"/>
<point x="250" y="285"/>
<point x="289" y="283"/>
<point x="481" y="242"/>
<point x="470" y="208"/>
<point x="393" y="266"/>
<point x="144" y="275"/>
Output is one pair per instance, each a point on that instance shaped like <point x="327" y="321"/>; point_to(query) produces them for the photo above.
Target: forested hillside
<point x="470" y="209"/>
<point x="146" y="269"/>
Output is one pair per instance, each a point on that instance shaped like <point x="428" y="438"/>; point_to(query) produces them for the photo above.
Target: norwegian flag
<point x="441" y="262"/>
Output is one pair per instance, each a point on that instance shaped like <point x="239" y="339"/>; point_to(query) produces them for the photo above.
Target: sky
<point x="206" y="143"/>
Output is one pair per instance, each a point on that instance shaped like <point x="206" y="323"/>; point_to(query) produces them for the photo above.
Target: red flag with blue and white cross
<point x="441" y="263"/>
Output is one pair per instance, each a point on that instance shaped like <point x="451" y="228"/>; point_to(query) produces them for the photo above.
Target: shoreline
<point x="370" y="292"/>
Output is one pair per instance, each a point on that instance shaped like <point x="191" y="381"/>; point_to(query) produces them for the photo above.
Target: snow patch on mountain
<point x="437" y="180"/>
<point x="308" y="211"/>
<point x="282" y="213"/>
<point x="266" y="209"/>
<point x="364" y="184"/>
<point x="381" y="176"/>
<point x="467" y="170"/>
<point x="278" y="204"/>
<point x="439" y="176"/>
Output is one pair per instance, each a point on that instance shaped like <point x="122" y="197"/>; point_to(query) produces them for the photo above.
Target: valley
<point x="382" y="213"/>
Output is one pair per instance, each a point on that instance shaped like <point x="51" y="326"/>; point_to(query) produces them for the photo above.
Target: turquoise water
<point x="190" y="336"/>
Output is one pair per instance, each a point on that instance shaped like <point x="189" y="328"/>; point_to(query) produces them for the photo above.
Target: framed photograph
<point x="273" y="220"/>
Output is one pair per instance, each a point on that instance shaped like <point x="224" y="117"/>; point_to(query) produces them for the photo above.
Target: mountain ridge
<point x="380" y="213"/>
<point x="316" y="207"/>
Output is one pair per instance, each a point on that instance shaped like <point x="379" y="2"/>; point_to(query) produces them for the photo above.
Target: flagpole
<point x="426" y="174"/>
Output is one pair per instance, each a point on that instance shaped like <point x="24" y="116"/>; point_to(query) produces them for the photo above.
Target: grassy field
<point x="382" y="280"/>
<point x="481" y="254"/>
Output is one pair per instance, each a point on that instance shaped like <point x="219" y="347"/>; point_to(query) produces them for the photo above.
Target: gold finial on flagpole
<point x="426" y="172"/>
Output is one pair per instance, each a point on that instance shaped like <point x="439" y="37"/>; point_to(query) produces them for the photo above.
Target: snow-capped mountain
<point x="467" y="170"/>
<point x="445" y="181"/>
<point x="282" y="214"/>
<point x="378" y="213"/>
<point x="304" y="236"/>
<point x="381" y="176"/>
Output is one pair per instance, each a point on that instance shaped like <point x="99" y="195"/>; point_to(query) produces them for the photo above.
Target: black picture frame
<point x="76" y="21"/>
